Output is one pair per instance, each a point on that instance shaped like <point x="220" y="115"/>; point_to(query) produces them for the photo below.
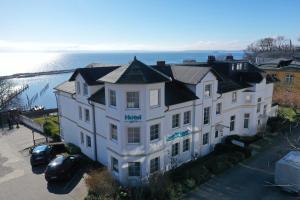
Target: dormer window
<point x="78" y="87"/>
<point x="207" y="90"/>
<point x="85" y="89"/>
<point x="289" y="78"/>
<point x="133" y="99"/>
<point x="232" y="67"/>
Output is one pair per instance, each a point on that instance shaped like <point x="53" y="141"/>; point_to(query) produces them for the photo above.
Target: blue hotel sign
<point x="133" y="118"/>
<point x="177" y="135"/>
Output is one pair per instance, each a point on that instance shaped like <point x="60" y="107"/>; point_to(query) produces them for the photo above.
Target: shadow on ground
<point x="67" y="186"/>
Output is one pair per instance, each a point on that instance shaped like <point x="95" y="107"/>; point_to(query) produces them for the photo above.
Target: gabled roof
<point x="99" y="96"/>
<point x="68" y="87"/>
<point x="188" y="74"/>
<point x="92" y="74"/>
<point x="135" y="72"/>
<point x="176" y="92"/>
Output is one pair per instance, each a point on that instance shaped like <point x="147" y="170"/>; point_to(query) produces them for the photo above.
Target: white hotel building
<point x="138" y="119"/>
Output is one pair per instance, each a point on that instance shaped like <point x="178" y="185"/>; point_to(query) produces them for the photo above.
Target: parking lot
<point x="18" y="180"/>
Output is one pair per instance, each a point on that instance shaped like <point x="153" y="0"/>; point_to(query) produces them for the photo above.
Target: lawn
<point x="51" y="125"/>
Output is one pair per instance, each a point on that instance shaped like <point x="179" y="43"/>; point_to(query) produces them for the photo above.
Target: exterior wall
<point x="105" y="115"/>
<point x="280" y="88"/>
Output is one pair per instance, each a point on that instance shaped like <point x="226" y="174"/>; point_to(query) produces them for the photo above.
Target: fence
<point x="32" y="124"/>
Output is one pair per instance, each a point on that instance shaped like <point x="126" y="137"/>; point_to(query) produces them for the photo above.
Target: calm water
<point x="41" y="87"/>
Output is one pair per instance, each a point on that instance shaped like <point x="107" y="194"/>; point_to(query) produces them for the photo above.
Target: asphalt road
<point x="19" y="181"/>
<point x="251" y="179"/>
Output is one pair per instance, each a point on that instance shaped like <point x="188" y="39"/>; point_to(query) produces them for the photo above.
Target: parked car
<point x="43" y="154"/>
<point x="62" y="167"/>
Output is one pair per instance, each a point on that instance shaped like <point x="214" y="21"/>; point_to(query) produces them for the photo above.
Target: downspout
<point x="94" y="130"/>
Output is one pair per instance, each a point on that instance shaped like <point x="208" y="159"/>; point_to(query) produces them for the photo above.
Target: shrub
<point x="190" y="183"/>
<point x="235" y="157"/>
<point x="218" y="164"/>
<point x="102" y="184"/>
<point x="52" y="129"/>
<point x="228" y="148"/>
<point x="228" y="139"/>
<point x="72" y="148"/>
<point x="274" y="123"/>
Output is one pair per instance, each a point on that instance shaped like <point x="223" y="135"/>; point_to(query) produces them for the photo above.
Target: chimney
<point x="161" y="63"/>
<point x="229" y="58"/>
<point x="211" y="58"/>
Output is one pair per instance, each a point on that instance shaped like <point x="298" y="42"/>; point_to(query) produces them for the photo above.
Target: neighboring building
<point x="138" y="119"/>
<point x="287" y="88"/>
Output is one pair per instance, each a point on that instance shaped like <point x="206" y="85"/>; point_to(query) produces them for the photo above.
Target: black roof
<point x="176" y="92"/>
<point x="135" y="72"/>
<point x="99" y="96"/>
<point x="92" y="74"/>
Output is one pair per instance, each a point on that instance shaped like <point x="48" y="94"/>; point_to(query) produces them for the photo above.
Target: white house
<point x="138" y="119"/>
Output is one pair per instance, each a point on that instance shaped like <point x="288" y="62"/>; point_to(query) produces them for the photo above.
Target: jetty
<point x="32" y="74"/>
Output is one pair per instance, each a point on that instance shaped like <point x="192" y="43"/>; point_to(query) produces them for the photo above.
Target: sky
<point x="146" y="25"/>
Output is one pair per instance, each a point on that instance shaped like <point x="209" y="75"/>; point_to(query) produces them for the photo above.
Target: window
<point x="81" y="137"/>
<point x="206" y="117"/>
<point x="232" y="67"/>
<point x="113" y="132"/>
<point x="186" y="145"/>
<point x="205" y="138"/>
<point x="187" y="117"/>
<point x="175" y="149"/>
<point x="154" y="165"/>
<point x="133" y="100"/>
<point x="154" y="98"/>
<point x="154" y="132"/>
<point x="216" y="133"/>
<point x="175" y="120"/>
<point x="134" y="169"/>
<point x="234" y="97"/>
<point x="248" y="98"/>
<point x="88" y="141"/>
<point x="133" y="135"/>
<point x="289" y="78"/>
<point x="112" y="98"/>
<point x="114" y="164"/>
<point x="78" y="87"/>
<point x="219" y="108"/>
<point x="80" y="112"/>
<point x="265" y="109"/>
<point x="258" y="105"/>
<point x="246" y="120"/>
<point x="232" y="122"/>
<point x="207" y="90"/>
<point x="87" y="115"/>
<point x="85" y="89"/>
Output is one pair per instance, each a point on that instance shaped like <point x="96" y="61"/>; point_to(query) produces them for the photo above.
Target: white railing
<point x="32" y="124"/>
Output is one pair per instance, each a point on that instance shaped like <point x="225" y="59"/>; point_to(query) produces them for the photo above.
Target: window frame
<point x="258" y="108"/>
<point x="130" y="99"/>
<point x="131" y="135"/>
<point x="246" y="120"/>
<point x="87" y="116"/>
<point x="186" y="145"/>
<point x="112" y="102"/>
<point x="154" y="165"/>
<point x="80" y="112"/>
<point x="234" y="97"/>
<point x="175" y="149"/>
<point x="135" y="168"/>
<point x="113" y="135"/>
<point x="156" y="128"/>
<point x="114" y="164"/>
<point x="158" y="98"/>
<point x="219" y="108"/>
<point x="177" y="120"/>
<point x="78" y="87"/>
<point x="207" y="95"/>
<point x="88" y="141"/>
<point x="205" y="138"/>
<point x="81" y="137"/>
<point x="232" y="123"/>
<point x="187" y="117"/>
<point x="85" y="89"/>
<point x="206" y="115"/>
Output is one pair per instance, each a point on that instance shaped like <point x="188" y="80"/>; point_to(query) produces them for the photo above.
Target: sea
<point x="40" y="91"/>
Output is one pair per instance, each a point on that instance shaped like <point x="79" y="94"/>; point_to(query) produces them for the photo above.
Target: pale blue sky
<point x="144" y="25"/>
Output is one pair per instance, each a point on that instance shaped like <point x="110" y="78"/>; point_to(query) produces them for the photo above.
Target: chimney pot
<point x="229" y="57"/>
<point x="211" y="58"/>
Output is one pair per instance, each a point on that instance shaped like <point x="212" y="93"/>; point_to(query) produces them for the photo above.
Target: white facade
<point x="120" y="137"/>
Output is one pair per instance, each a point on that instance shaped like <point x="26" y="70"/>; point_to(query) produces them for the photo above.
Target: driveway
<point x="251" y="179"/>
<point x="19" y="181"/>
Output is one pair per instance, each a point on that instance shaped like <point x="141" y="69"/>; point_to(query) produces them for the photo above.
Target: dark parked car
<point x="62" y="167"/>
<point x="43" y="154"/>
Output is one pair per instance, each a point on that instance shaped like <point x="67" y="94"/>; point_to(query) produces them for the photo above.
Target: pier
<point x="26" y="75"/>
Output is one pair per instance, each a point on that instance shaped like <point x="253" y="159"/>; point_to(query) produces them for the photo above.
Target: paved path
<point x="18" y="181"/>
<point x="249" y="180"/>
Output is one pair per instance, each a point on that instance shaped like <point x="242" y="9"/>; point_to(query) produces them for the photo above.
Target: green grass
<point x="51" y="125"/>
